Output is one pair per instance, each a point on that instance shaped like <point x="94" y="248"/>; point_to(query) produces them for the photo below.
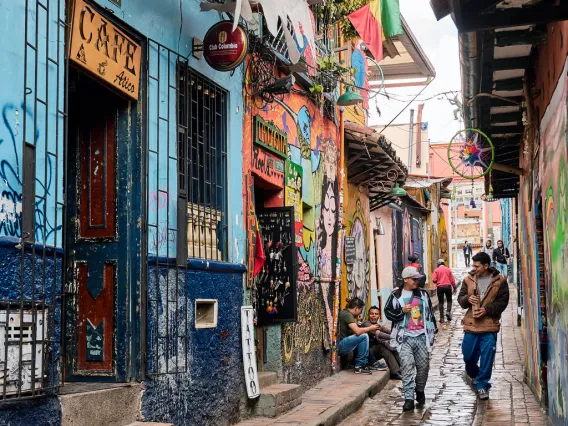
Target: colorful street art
<point x="356" y="280"/>
<point x="530" y="273"/>
<point x="310" y="183"/>
<point x="553" y="157"/>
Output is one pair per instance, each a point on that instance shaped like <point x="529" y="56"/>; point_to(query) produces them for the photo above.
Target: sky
<point x="439" y="40"/>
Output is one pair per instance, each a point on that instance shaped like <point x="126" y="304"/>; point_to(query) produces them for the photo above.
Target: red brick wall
<point x="549" y="62"/>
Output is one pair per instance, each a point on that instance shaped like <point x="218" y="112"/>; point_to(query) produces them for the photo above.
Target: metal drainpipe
<point x="469" y="61"/>
<point x="410" y="140"/>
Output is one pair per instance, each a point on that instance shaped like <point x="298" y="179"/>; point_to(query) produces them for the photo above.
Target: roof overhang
<point x="372" y="163"/>
<point x="494" y="59"/>
<point x="478" y="15"/>
<point x="408" y="66"/>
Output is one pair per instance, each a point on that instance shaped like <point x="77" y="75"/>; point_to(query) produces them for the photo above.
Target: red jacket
<point x="443" y="277"/>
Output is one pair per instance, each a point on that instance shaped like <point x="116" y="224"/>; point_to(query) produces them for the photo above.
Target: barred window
<point x="202" y="166"/>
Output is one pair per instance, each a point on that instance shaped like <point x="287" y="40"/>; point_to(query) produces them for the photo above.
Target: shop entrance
<point x="96" y="244"/>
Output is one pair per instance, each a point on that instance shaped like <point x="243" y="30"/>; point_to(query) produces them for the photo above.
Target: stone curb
<point x="339" y="412"/>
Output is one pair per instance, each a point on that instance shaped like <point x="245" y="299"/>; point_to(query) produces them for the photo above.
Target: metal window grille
<point x="202" y="162"/>
<point x="28" y="350"/>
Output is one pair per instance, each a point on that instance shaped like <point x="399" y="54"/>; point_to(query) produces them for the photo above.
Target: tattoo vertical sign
<point x="249" y="354"/>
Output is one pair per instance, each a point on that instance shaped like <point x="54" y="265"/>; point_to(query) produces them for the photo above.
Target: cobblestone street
<point x="450" y="401"/>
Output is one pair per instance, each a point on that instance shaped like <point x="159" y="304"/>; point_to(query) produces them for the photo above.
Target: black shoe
<point x="483" y="394"/>
<point x="395" y="376"/>
<point x="363" y="370"/>
<point x="408" y="405"/>
<point x="449" y="317"/>
<point x="441" y="319"/>
<point x="420" y="398"/>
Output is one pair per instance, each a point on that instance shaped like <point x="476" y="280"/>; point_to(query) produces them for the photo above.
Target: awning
<point x="372" y="162"/>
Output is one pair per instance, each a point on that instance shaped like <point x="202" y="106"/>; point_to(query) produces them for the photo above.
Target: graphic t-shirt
<point x="345" y="318"/>
<point x="414" y="320"/>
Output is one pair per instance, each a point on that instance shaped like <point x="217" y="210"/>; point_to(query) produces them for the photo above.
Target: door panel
<point x="98" y="178"/>
<point x="95" y="318"/>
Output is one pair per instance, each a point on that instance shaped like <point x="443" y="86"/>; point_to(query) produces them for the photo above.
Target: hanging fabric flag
<point x="390" y="18"/>
<point x="367" y="22"/>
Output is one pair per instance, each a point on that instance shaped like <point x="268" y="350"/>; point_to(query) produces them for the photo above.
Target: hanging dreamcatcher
<point x="471" y="154"/>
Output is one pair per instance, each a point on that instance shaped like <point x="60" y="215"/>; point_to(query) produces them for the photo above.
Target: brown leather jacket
<point x="495" y="301"/>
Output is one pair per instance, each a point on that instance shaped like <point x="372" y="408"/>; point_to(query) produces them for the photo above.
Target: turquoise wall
<point x="173" y="24"/>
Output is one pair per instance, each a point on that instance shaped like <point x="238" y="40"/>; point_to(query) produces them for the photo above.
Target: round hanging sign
<point x="224" y="50"/>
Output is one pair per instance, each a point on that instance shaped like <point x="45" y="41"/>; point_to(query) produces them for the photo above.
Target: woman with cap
<point x="445" y="283"/>
<point x="412" y="336"/>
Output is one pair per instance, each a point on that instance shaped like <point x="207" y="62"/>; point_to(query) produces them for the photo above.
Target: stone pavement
<point x="450" y="401"/>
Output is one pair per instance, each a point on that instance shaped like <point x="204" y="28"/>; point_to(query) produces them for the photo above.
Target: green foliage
<point x="332" y="12"/>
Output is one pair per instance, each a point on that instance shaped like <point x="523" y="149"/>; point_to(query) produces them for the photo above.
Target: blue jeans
<point x="350" y="343"/>
<point x="479" y="347"/>
<point x="502" y="268"/>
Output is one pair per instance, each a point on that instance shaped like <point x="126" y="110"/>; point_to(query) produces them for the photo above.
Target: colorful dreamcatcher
<point x="471" y="154"/>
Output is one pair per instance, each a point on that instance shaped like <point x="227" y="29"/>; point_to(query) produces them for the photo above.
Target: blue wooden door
<point x="97" y="279"/>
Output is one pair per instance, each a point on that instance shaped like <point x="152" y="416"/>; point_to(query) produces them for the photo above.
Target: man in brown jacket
<point x="485" y="295"/>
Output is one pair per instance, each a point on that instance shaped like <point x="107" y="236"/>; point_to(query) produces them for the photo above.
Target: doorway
<point x="97" y="245"/>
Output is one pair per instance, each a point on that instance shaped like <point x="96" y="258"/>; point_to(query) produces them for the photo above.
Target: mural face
<point x="553" y="157"/>
<point x="357" y="279"/>
<point x="311" y="186"/>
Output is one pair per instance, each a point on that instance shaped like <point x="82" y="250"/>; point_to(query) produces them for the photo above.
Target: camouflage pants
<point x="414" y="364"/>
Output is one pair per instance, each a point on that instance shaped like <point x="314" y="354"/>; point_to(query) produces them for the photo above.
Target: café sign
<point x="104" y="50"/>
<point x="223" y="48"/>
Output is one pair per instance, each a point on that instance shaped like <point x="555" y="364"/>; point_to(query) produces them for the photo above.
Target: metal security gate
<point x="187" y="200"/>
<point x="32" y="199"/>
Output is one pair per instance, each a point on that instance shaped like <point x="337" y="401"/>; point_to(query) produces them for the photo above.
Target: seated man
<point x="354" y="338"/>
<point x="379" y="342"/>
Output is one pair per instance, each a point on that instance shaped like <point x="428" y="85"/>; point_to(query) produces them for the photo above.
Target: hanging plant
<point x="332" y="12"/>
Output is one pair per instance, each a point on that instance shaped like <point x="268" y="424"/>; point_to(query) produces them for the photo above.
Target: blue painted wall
<point x="173" y="24"/>
<point x="41" y="126"/>
<point x="200" y="376"/>
<point x="206" y="388"/>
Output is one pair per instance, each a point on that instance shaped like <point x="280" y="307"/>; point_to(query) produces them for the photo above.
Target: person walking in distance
<point x="485" y="295"/>
<point x="501" y="257"/>
<point x="445" y="287"/>
<point x="488" y="248"/>
<point x="467" y="253"/>
<point x="412" y="335"/>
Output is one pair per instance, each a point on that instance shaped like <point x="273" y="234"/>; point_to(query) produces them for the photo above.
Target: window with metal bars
<point x="202" y="166"/>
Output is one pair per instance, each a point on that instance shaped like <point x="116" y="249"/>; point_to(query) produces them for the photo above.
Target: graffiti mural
<point x="553" y="157"/>
<point x="530" y="273"/>
<point x="356" y="276"/>
<point x="309" y="180"/>
<point x="48" y="213"/>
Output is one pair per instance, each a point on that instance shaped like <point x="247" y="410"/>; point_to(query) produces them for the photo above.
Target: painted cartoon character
<point x="416" y="322"/>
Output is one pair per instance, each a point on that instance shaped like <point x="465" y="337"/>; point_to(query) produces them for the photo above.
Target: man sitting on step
<point x="352" y="338"/>
<point x="379" y="342"/>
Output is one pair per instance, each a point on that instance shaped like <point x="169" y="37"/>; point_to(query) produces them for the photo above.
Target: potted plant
<point x="331" y="71"/>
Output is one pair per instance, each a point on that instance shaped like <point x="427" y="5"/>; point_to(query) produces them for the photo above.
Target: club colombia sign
<point x="104" y="50"/>
<point x="223" y="49"/>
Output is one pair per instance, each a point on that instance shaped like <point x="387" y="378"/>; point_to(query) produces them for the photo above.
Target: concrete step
<point x="116" y="406"/>
<point x="267" y="378"/>
<point x="277" y="399"/>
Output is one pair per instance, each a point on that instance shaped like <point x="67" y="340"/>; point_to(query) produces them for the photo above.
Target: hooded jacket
<point x="495" y="301"/>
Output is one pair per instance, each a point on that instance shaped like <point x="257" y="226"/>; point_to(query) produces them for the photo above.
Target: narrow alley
<point x="449" y="400"/>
